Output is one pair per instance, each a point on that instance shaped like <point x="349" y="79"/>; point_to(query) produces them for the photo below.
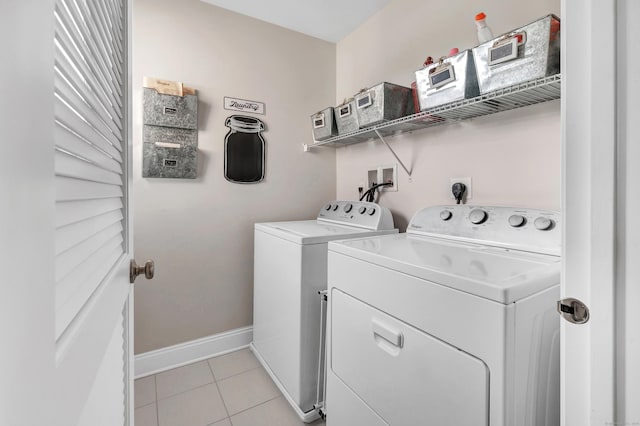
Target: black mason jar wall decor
<point x="244" y="150"/>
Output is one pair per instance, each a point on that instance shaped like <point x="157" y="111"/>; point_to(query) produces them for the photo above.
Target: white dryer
<point x="290" y="269"/>
<point x="450" y="324"/>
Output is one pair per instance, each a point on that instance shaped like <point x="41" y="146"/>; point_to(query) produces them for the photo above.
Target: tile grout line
<point x="255" y="406"/>
<point x="215" y="380"/>
<point x="237" y="374"/>
<point x="155" y="387"/>
<point x="188" y="390"/>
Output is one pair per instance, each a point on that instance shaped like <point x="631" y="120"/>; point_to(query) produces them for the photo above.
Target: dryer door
<point x="403" y="374"/>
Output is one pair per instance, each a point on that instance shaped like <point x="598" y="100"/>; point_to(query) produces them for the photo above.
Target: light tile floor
<point x="228" y="390"/>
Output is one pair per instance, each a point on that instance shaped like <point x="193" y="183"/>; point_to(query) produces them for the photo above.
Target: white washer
<point x="290" y="268"/>
<point x="450" y="324"/>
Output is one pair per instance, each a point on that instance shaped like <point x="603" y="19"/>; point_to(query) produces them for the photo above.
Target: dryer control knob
<point x="445" y="215"/>
<point x="543" y="223"/>
<point x="478" y="216"/>
<point x="348" y="207"/>
<point x="335" y="207"/>
<point x="372" y="211"/>
<point x="328" y="207"/>
<point x="361" y="210"/>
<point x="517" y="220"/>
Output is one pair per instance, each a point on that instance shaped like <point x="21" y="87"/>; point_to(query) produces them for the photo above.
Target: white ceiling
<point x="329" y="20"/>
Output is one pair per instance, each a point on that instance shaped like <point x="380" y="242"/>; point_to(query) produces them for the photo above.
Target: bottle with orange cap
<point x="484" y="32"/>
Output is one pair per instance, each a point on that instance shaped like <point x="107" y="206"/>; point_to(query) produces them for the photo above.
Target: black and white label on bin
<point x="507" y="49"/>
<point x="442" y="75"/>
<point x="318" y="121"/>
<point x="365" y="100"/>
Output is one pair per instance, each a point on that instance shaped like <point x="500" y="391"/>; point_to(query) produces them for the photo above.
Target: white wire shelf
<point x="512" y="97"/>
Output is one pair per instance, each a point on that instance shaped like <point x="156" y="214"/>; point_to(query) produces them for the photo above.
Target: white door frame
<point x="628" y="236"/>
<point x="600" y="238"/>
<point x="26" y="241"/>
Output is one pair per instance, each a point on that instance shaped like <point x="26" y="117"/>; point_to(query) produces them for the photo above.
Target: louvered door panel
<point x="89" y="142"/>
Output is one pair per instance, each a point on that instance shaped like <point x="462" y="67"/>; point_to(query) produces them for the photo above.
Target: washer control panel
<point x="357" y="213"/>
<point x="508" y="227"/>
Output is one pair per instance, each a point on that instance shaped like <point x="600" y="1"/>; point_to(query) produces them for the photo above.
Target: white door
<point x="66" y="240"/>
<point x="601" y="129"/>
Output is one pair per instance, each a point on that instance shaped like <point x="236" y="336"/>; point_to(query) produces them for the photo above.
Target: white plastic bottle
<point x="484" y="32"/>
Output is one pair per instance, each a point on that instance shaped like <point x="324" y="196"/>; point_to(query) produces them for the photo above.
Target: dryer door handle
<point x="388" y="333"/>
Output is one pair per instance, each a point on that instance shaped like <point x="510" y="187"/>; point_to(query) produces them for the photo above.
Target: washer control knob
<point x="517" y="220"/>
<point x="372" y="211"/>
<point x="445" y="215"/>
<point x="543" y="223"/>
<point x="335" y="207"/>
<point x="361" y="210"/>
<point x="478" y="216"/>
<point x="328" y="207"/>
<point x="348" y="207"/>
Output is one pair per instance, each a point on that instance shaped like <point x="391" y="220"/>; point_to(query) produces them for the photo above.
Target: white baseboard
<point x="196" y="350"/>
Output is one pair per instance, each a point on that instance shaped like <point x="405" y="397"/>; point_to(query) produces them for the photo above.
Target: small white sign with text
<point x="243" y="105"/>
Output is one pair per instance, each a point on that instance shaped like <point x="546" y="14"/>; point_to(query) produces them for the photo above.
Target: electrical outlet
<point x="389" y="174"/>
<point x="468" y="194"/>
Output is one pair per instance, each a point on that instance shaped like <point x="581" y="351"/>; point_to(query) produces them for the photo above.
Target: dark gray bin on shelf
<point x="383" y="102"/>
<point x="169" y="152"/>
<point x="170" y="110"/>
<point x="324" y="125"/>
<point x="524" y="54"/>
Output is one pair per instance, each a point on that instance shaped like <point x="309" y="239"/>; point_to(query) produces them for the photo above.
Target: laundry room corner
<point x="200" y="231"/>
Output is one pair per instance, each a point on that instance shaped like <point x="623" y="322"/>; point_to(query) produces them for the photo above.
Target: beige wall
<point x="513" y="158"/>
<point x="200" y="233"/>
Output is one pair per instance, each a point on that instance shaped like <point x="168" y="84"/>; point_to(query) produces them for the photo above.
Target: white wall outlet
<point x="383" y="174"/>
<point x="389" y="174"/>
<point x="468" y="195"/>
<point x="372" y="178"/>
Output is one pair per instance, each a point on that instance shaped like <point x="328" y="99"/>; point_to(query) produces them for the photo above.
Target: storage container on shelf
<point x="324" y="125"/>
<point x="449" y="80"/>
<point x="526" y="53"/>
<point x="383" y="102"/>
<point x="346" y="117"/>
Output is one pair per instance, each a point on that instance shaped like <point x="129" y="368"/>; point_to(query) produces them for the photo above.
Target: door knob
<point x="134" y="270"/>
<point x="573" y="310"/>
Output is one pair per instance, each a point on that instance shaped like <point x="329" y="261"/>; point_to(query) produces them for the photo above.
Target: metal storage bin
<point x="324" y="124"/>
<point x="346" y="117"/>
<point x="524" y="54"/>
<point x="169" y="152"/>
<point x="383" y="102"/>
<point x="449" y="80"/>
<point x="170" y="110"/>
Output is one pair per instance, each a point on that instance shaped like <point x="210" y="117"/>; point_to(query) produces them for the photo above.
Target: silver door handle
<point x="134" y="270"/>
<point x="573" y="310"/>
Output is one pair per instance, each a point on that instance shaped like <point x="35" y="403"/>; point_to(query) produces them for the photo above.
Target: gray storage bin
<point x="170" y="110"/>
<point x="169" y="152"/>
<point x="383" y="102"/>
<point x="324" y="124"/>
<point x="346" y="117"/>
<point x="449" y="80"/>
<point x="524" y="54"/>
